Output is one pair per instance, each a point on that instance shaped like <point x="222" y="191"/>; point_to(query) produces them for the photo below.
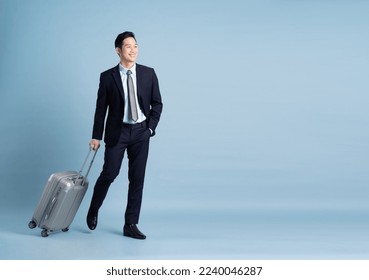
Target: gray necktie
<point x="131" y="97"/>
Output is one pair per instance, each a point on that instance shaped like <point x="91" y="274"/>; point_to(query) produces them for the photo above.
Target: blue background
<point x="270" y="162"/>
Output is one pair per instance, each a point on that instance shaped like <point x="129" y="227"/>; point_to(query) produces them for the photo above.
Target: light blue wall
<point x="281" y="88"/>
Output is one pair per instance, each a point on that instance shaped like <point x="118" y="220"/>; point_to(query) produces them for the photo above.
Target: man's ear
<point x="119" y="51"/>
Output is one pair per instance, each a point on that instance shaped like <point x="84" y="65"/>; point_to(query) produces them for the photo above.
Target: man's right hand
<point x="95" y="144"/>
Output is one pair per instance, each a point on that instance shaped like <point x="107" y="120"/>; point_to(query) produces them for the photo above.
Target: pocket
<point x="148" y="132"/>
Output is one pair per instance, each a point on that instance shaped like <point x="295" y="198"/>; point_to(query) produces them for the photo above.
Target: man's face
<point x="129" y="51"/>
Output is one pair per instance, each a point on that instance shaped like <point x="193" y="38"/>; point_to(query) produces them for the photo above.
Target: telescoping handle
<point x="84" y="163"/>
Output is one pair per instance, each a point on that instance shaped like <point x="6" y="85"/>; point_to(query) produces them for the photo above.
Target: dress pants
<point x="135" y="140"/>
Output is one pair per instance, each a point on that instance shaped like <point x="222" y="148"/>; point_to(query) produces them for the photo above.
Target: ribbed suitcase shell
<point x="60" y="200"/>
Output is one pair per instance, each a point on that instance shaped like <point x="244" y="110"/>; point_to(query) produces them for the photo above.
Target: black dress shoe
<point x="133" y="231"/>
<point x="91" y="220"/>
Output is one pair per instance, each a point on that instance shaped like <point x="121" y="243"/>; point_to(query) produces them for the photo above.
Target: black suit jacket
<point x="110" y="99"/>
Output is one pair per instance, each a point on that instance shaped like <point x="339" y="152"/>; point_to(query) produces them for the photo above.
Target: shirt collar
<point x="124" y="70"/>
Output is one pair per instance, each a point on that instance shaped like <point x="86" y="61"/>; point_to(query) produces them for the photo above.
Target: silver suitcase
<point x="60" y="200"/>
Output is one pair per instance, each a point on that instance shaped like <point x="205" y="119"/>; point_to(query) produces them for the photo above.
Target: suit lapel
<point x="139" y="77"/>
<point x="118" y="80"/>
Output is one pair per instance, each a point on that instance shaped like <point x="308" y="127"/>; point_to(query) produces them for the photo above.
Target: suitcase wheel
<point x="32" y="224"/>
<point x="65" y="229"/>
<point x="44" y="233"/>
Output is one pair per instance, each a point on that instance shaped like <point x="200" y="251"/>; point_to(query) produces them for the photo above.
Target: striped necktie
<point x="131" y="97"/>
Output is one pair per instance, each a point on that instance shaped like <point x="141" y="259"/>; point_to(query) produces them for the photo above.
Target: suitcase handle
<point x="84" y="163"/>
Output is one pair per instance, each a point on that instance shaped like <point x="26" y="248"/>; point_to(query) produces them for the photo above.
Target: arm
<point x="156" y="104"/>
<point x="100" y="113"/>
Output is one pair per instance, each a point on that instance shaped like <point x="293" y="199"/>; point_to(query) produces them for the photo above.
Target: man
<point x="130" y="94"/>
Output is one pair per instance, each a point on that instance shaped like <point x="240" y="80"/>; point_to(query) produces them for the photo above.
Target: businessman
<point x="128" y="110"/>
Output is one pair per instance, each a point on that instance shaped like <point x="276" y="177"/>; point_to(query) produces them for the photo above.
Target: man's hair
<point x="119" y="41"/>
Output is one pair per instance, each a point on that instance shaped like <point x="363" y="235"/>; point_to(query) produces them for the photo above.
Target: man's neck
<point x="127" y="65"/>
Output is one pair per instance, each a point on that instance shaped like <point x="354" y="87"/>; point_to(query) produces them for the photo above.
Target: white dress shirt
<point x="123" y="75"/>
